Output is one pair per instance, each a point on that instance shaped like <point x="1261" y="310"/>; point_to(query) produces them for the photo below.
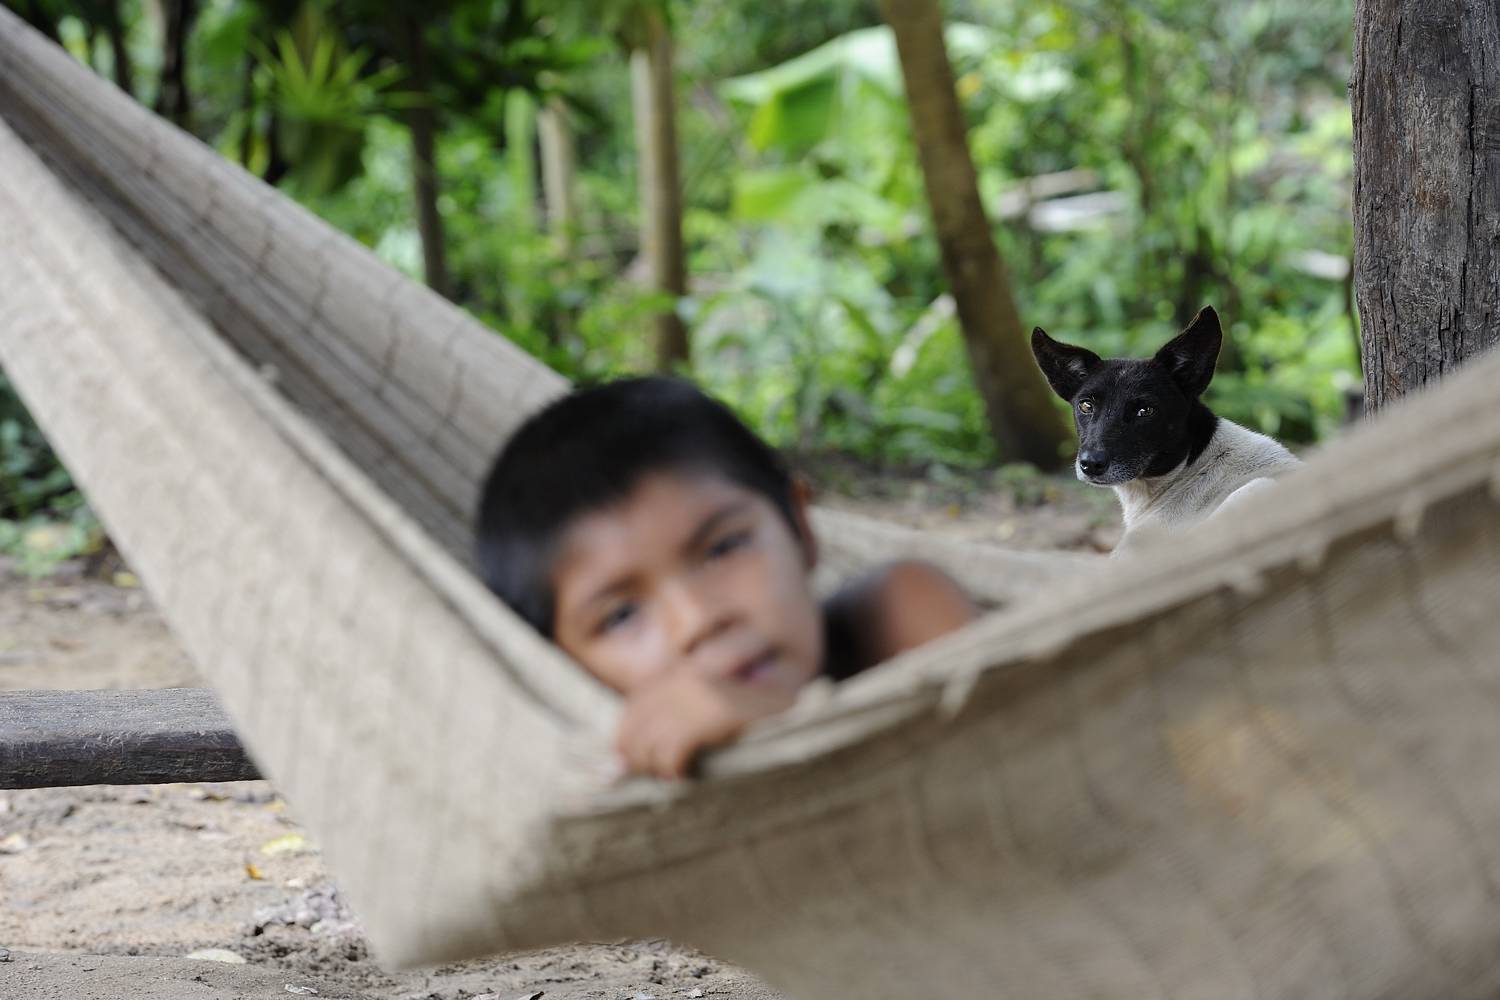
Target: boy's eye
<point x="1145" y="411"/>
<point x="617" y="616"/>
<point x="727" y="544"/>
<point x="1085" y="406"/>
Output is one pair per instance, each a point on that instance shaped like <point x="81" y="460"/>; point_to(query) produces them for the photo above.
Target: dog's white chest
<point x="1234" y="459"/>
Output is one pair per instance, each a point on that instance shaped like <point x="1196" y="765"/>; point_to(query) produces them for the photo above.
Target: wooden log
<point x="55" y="738"/>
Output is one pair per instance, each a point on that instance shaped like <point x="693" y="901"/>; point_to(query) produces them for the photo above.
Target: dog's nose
<point x="1092" y="462"/>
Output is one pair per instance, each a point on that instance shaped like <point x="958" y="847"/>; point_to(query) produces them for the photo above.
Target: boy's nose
<point x="693" y="615"/>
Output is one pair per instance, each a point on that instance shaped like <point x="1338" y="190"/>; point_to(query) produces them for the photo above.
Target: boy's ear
<point x="1191" y="355"/>
<point x="801" y="500"/>
<point x="1066" y="367"/>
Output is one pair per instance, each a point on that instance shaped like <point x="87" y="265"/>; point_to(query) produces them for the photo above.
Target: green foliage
<point x="1137" y="162"/>
<point x="38" y="544"/>
<point x="43" y="519"/>
<point x="32" y="480"/>
<point x="1218" y="149"/>
<point x="324" y="96"/>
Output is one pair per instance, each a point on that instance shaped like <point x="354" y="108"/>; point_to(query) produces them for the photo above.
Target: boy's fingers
<point x="662" y="730"/>
<point x="632" y="740"/>
<point x="661" y="749"/>
<point x="672" y="757"/>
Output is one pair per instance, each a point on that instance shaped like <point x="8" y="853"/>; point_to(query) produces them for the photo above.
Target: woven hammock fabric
<point x="1254" y="763"/>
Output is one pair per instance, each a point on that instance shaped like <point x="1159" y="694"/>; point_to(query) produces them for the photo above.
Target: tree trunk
<point x="661" y="187"/>
<point x="172" y="99"/>
<point x="91" y="45"/>
<point x="33" y="13"/>
<point x="247" y="109"/>
<point x="520" y="155"/>
<point x="116" y="28"/>
<point x="559" y="174"/>
<point x="559" y="193"/>
<point x="1022" y="416"/>
<point x="277" y="166"/>
<point x="1426" y="107"/>
<point x="422" y="120"/>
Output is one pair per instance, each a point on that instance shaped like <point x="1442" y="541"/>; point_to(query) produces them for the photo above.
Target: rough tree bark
<point x="1426" y="104"/>
<point x="1025" y="422"/>
<point x="421" y="119"/>
<point x="172" y="99"/>
<point x="654" y="101"/>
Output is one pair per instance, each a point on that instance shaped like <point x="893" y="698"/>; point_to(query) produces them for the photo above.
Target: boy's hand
<point x="667" y="724"/>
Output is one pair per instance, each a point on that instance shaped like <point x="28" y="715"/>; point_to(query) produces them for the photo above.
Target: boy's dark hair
<point x="587" y="451"/>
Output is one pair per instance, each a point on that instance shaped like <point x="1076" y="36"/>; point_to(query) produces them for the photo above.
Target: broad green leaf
<point x="768" y="194"/>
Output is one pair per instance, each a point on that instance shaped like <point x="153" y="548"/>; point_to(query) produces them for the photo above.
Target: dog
<point x="1143" y="431"/>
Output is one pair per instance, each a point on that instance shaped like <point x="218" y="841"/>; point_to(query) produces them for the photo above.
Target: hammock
<point x="1254" y="763"/>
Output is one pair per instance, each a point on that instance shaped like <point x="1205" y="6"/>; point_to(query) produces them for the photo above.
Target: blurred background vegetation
<point x="1137" y="159"/>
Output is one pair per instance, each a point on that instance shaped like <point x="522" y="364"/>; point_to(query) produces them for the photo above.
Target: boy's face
<point x="689" y="572"/>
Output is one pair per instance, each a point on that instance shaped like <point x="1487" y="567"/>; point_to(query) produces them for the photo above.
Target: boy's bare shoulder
<point x="901" y="605"/>
<point x="918" y="602"/>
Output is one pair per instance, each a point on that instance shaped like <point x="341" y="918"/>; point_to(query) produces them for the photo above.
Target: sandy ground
<point x="106" y="891"/>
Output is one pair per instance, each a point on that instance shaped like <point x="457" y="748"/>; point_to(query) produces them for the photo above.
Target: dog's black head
<point x="1136" y="418"/>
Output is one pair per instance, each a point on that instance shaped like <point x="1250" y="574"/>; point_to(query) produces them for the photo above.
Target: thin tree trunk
<point x="277" y="166"/>
<point x="559" y="174"/>
<point x="661" y="186"/>
<point x="124" y="78"/>
<point x="247" y="110"/>
<point x="34" y="15"/>
<point x="1022" y="416"/>
<point x="1426" y="108"/>
<point x="520" y="154"/>
<point x="422" y="120"/>
<point x="559" y="193"/>
<point x="173" y="99"/>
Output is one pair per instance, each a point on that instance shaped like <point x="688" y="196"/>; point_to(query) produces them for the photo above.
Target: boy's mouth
<point x="756" y="668"/>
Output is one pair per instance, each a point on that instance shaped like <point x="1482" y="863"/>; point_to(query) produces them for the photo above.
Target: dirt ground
<point x="116" y="892"/>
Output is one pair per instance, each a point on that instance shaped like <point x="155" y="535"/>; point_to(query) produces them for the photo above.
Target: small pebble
<point x="301" y="991"/>
<point x="695" y="993"/>
<point x="4" y="954"/>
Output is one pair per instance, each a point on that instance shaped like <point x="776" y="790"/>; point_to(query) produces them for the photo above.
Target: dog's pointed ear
<point x="1066" y="367"/>
<point x="1192" y="354"/>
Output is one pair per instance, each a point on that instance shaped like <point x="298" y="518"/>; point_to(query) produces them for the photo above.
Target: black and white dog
<point x="1143" y="431"/>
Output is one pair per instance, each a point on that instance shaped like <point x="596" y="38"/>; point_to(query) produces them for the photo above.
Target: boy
<point x="651" y="535"/>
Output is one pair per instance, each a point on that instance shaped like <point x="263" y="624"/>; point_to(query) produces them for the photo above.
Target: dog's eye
<point x="1086" y="406"/>
<point x="1145" y="411"/>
